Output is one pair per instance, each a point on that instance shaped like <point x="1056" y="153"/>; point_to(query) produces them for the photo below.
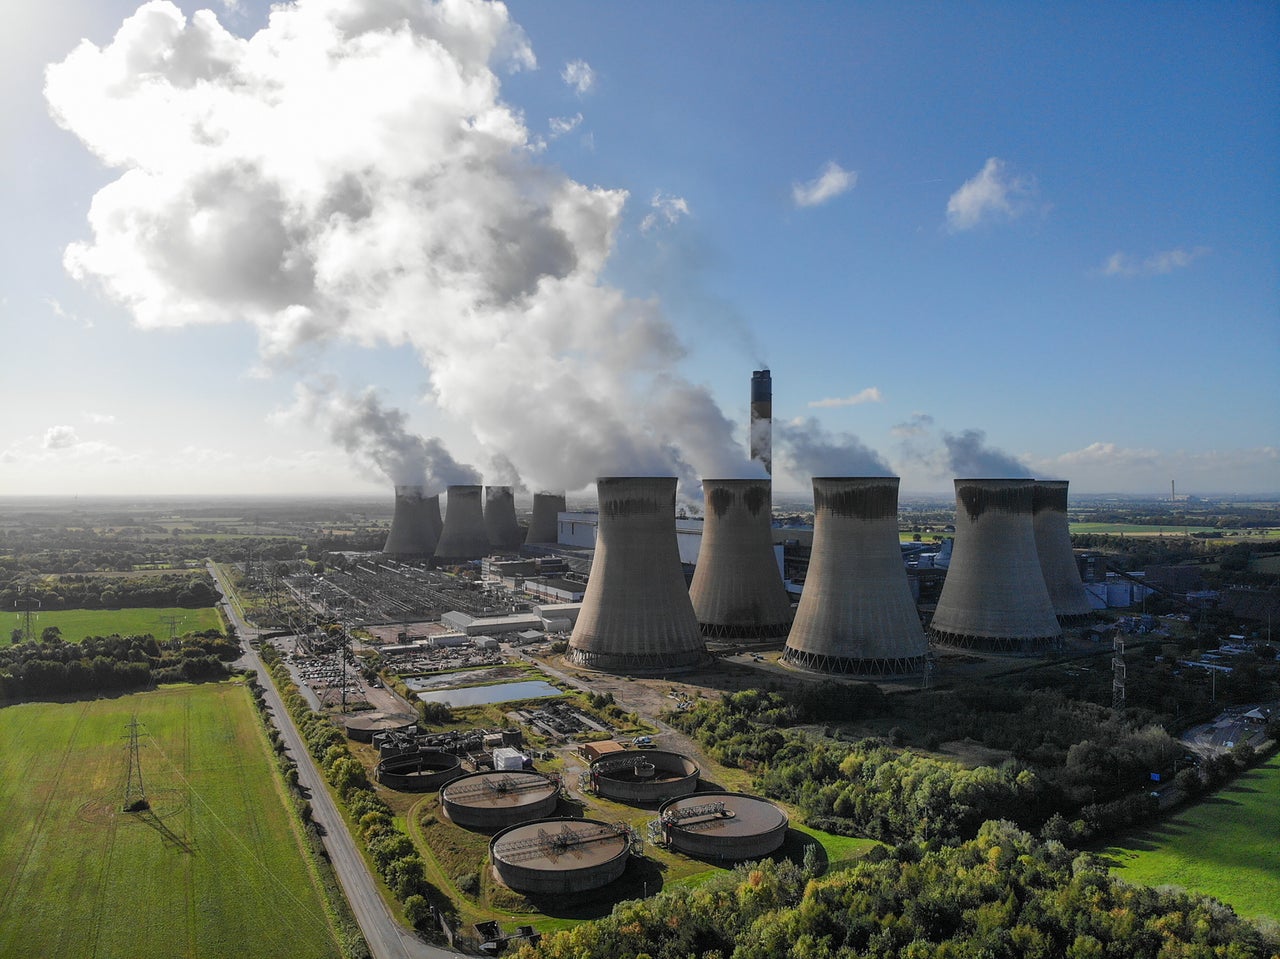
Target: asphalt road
<point x="387" y="939"/>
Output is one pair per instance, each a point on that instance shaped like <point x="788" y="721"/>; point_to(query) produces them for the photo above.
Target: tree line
<point x="1000" y="894"/>
<point x="52" y="667"/>
<point x="190" y="590"/>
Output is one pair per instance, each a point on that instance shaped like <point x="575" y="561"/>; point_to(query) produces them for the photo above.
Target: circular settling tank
<point x="496" y="800"/>
<point x="646" y="778"/>
<point x="418" y="772"/>
<point x="723" y="826"/>
<point x="559" y="856"/>
<point x="362" y="727"/>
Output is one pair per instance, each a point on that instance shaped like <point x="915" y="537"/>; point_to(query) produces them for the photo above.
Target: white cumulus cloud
<point x="1157" y="264"/>
<point x="351" y="175"/>
<point x="827" y="185"/>
<point x="60" y="437"/>
<point x="665" y="209"/>
<point x="562" y="125"/>
<point x="579" y="75"/>
<point x="995" y="193"/>
<point x="870" y="395"/>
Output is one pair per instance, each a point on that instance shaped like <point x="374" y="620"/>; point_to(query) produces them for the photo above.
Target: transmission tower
<point x="135" y="793"/>
<point x="26" y="607"/>
<point x="1117" y="673"/>
<point x="172" y="623"/>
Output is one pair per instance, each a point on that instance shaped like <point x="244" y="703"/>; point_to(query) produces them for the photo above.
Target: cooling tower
<point x="500" y="518"/>
<point x="463" y="537"/>
<point x="995" y="595"/>
<point x="762" y="419"/>
<point x="636" y="615"/>
<point x="737" y="589"/>
<point x="856" y="614"/>
<point x="415" y="525"/>
<point x="545" y="525"/>
<point x="1053" y="544"/>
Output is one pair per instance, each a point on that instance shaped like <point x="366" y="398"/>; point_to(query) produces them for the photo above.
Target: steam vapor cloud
<point x="809" y="450"/>
<point x="350" y="175"/>
<point x="377" y="437"/>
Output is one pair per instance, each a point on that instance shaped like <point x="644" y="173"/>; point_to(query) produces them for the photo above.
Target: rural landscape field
<point x="216" y="863"/>
<point x="76" y="624"/>
<point x="1226" y="846"/>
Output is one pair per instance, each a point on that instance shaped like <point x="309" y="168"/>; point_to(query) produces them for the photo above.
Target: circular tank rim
<point x="760" y="842"/>
<point x="489" y="773"/>
<point x="546" y="879"/>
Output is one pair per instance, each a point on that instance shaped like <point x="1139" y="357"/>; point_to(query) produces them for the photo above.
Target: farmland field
<point x="76" y="624"/>
<point x="216" y="868"/>
<point x="1227" y="846"/>
<point x="1132" y="529"/>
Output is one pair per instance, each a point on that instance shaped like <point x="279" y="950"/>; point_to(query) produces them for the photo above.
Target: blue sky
<point x="984" y="238"/>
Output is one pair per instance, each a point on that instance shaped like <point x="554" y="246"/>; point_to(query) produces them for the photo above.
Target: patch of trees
<point x="191" y="590"/>
<point x="1076" y="760"/>
<point x="1002" y="893"/>
<point x="52" y="667"/>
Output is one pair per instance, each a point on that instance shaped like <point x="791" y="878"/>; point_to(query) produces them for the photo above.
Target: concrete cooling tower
<point x="500" y="518"/>
<point x="737" y="589"/>
<point x="544" y="527"/>
<point x="636" y="615"/>
<point x="463" y="537"/>
<point x="1053" y="544"/>
<point x="856" y="614"/>
<point x="995" y="596"/>
<point x="415" y="525"/>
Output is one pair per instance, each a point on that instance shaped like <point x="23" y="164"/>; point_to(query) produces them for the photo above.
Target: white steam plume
<point x="350" y="174"/>
<point x="376" y="437"/>
<point x="971" y="458"/>
<point x="807" y="449"/>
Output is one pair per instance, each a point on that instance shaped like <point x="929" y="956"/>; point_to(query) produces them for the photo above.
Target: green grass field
<point x="1227" y="846"/>
<point x="216" y="869"/>
<point x="76" y="624"/>
<point x="1131" y="529"/>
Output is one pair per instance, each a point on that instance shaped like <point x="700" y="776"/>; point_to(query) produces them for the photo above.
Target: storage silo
<point x="415" y="524"/>
<point x="636" y="615"/>
<point x="856" y="614"/>
<point x="544" y="527"/>
<point x="463" y="537"/>
<point x="500" y="518"/>
<point x="1053" y="545"/>
<point x="737" y="589"/>
<point x="995" y="597"/>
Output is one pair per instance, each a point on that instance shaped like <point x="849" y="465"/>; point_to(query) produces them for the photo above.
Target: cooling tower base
<point x="650" y="665"/>
<point x="996" y="644"/>
<point x="845" y="665"/>
<point x="764" y="631"/>
<point x="1075" y="619"/>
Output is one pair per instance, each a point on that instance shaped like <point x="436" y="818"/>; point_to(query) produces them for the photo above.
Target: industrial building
<point x="547" y="508"/>
<point x="856" y="614"/>
<point x="995" y="597"/>
<point x="415" y="524"/>
<point x="636" y="614"/>
<point x="1053" y="546"/>
<point x="737" y="590"/>
<point x="500" y="523"/>
<point x="464" y="536"/>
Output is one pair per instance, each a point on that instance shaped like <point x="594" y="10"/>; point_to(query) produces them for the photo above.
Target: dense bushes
<point x="52" y="667"/>
<point x="192" y="590"/>
<point x="1000" y="894"/>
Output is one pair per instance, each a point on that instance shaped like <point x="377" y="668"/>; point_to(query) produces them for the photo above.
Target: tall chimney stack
<point x="762" y="419"/>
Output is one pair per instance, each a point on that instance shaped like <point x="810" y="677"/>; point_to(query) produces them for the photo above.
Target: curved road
<point x="387" y="939"/>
